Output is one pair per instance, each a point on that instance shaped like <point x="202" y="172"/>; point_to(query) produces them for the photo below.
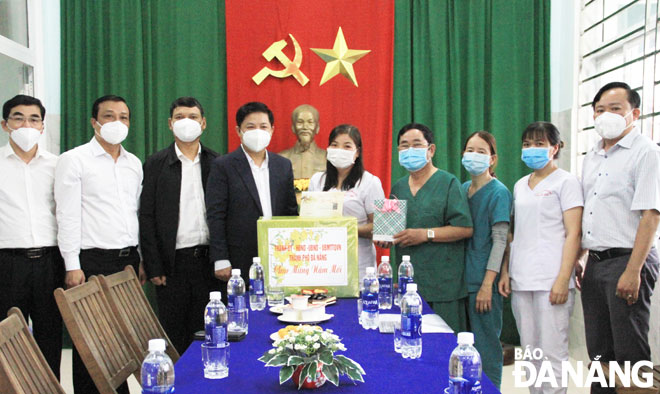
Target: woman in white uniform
<point x="546" y="241"/>
<point x="345" y="172"/>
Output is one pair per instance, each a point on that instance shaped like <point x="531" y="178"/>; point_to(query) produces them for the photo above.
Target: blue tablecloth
<point x="387" y="371"/>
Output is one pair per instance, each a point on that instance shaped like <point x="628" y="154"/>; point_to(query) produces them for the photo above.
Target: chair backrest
<point x="23" y="368"/>
<point x="97" y="335"/>
<point x="135" y="315"/>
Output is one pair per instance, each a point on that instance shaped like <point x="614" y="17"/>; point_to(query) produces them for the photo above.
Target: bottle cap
<point x="411" y="287"/>
<point x="371" y="270"/>
<point x="465" y="338"/>
<point x="215" y="295"/>
<point x="256" y="260"/>
<point x="236" y="271"/>
<point x="384" y="259"/>
<point x="405" y="258"/>
<point x="157" y="345"/>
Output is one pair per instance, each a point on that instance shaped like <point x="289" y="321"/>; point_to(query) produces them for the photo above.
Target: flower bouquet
<point x="307" y="354"/>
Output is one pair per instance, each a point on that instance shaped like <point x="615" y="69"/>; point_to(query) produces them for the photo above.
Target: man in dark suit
<point x="173" y="233"/>
<point x="244" y="185"/>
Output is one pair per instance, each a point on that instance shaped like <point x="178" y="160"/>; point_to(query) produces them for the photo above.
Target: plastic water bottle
<point x="406" y="275"/>
<point x="157" y="369"/>
<point x="411" y="323"/>
<point x="215" y="319"/>
<point x="370" y="300"/>
<point x="257" y="293"/>
<point x="465" y="367"/>
<point x="236" y="305"/>
<point x="359" y="301"/>
<point x="385" y="283"/>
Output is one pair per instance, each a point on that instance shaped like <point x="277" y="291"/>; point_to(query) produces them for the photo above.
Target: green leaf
<point x="351" y="364"/>
<point x="326" y="357"/>
<point x="306" y="372"/>
<point x="354" y="375"/>
<point x="286" y="373"/>
<point x="340" y="367"/>
<point x="295" y="360"/>
<point x="278" y="360"/>
<point x="267" y="357"/>
<point x="332" y="373"/>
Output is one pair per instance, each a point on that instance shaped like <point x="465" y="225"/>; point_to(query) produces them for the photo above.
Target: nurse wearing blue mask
<point x="546" y="241"/>
<point x="490" y="206"/>
<point x="438" y="220"/>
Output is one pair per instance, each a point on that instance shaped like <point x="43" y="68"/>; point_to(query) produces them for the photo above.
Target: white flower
<point x="315" y="338"/>
<point x="308" y="338"/>
<point x="329" y="330"/>
<point x="325" y="335"/>
<point x="292" y="339"/>
<point x="316" y="345"/>
<point x="341" y="346"/>
<point x="271" y="351"/>
<point x="289" y="346"/>
<point x="299" y="347"/>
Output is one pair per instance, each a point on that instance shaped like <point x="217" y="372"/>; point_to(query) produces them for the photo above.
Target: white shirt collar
<point x="97" y="149"/>
<point x="625" y="142"/>
<point x="181" y="156"/>
<point x="8" y="151"/>
<point x="251" y="161"/>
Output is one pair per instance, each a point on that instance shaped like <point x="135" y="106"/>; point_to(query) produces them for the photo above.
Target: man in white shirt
<point x="97" y="190"/>
<point x="31" y="267"/>
<point x="174" y="237"/>
<point x="244" y="185"/>
<point x="621" y="184"/>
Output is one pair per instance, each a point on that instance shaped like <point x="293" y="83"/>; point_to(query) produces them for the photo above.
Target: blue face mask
<point x="413" y="159"/>
<point x="536" y="158"/>
<point x="475" y="163"/>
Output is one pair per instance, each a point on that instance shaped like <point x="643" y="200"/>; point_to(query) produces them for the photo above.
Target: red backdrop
<point x="252" y="26"/>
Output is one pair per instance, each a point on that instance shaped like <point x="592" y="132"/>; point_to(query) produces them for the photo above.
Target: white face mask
<point x="341" y="158"/>
<point x="187" y="130"/>
<point x="256" y="140"/>
<point x="25" y="137"/>
<point x="609" y="125"/>
<point x="113" y="132"/>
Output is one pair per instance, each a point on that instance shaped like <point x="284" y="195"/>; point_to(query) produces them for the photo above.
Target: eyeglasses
<point x="32" y="120"/>
<point x="416" y="146"/>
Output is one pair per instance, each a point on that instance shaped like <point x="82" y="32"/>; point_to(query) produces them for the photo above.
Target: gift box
<point x="389" y="218"/>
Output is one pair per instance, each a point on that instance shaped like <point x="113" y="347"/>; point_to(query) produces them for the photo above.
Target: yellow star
<point x="339" y="59"/>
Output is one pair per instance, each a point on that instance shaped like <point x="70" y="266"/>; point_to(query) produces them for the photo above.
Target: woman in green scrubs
<point x="490" y="207"/>
<point x="438" y="220"/>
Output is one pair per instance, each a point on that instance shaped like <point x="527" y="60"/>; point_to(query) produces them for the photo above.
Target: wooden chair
<point x="136" y="317"/>
<point x="97" y="335"/>
<point x="23" y="368"/>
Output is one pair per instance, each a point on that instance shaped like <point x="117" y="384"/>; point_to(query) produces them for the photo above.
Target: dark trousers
<point x="614" y="330"/>
<point x="181" y="302"/>
<point x="99" y="262"/>
<point x="28" y="278"/>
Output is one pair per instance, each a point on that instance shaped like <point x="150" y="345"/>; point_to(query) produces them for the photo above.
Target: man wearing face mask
<point x="621" y="183"/>
<point x="31" y="267"/>
<point x="243" y="185"/>
<point x="97" y="190"/>
<point x="438" y="219"/>
<point x="174" y="236"/>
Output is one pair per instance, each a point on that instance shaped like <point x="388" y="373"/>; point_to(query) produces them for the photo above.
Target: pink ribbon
<point x="390" y="206"/>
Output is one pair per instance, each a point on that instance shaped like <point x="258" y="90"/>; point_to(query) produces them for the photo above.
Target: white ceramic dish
<point x="276" y="309"/>
<point x="323" y="318"/>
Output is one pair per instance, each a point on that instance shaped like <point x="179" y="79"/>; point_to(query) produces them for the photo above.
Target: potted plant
<point x="307" y="354"/>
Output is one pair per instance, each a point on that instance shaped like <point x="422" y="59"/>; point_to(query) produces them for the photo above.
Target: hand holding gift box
<point x="389" y="218"/>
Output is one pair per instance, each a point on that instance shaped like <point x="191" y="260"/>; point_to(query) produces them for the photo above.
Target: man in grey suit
<point x="243" y="185"/>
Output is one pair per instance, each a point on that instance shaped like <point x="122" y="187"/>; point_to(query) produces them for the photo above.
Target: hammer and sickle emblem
<point x="291" y="68"/>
